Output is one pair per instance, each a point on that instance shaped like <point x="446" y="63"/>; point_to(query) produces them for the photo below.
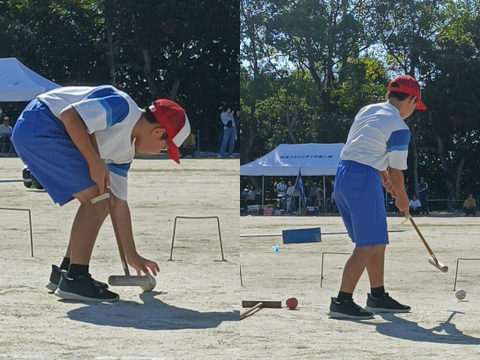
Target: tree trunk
<point x="109" y="16"/>
<point x="147" y="71"/>
<point x="458" y="179"/>
<point x="415" y="159"/>
<point x="175" y="87"/>
<point x="446" y="168"/>
<point x="252" y="129"/>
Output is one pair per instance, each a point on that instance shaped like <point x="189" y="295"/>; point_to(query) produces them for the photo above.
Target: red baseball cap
<point x="173" y="119"/>
<point x="408" y="85"/>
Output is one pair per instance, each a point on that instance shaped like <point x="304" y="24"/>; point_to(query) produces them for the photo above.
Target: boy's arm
<point x="398" y="183"/>
<point x="122" y="226"/>
<point x="77" y="131"/>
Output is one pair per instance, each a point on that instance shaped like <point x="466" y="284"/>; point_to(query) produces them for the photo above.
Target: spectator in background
<point x="290" y="198"/>
<point x="5" y="128"/>
<point x="422" y="195"/>
<point x="319" y="193"/>
<point x="5" y="134"/>
<point x="415" y="205"/>
<point x="188" y="147"/>
<point x="281" y="188"/>
<point x="229" y="131"/>
<point x="470" y="205"/>
<point x="281" y="192"/>
<point x="312" y="193"/>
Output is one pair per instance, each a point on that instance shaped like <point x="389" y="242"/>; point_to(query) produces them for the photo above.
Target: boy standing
<point x="79" y="143"/>
<point x="377" y="141"/>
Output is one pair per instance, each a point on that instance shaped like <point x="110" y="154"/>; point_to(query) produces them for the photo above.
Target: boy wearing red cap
<point x="79" y="143"/>
<point x="377" y="141"/>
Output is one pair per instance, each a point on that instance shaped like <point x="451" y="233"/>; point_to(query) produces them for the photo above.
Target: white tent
<point x="288" y="159"/>
<point x="19" y="83"/>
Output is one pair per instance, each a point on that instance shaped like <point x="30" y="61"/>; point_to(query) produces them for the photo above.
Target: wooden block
<point x="301" y="235"/>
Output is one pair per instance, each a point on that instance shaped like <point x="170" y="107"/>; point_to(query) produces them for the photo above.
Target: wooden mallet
<point x="433" y="259"/>
<point x="256" y="305"/>
<point x="146" y="282"/>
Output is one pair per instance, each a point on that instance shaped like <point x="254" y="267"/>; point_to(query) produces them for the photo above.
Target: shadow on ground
<point x="153" y="314"/>
<point x="445" y="333"/>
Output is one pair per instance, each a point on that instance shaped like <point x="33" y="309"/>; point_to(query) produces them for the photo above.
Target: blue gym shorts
<point x="43" y="144"/>
<point x="359" y="198"/>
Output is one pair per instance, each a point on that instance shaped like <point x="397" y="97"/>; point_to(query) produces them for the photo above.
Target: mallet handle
<point x="422" y="238"/>
<point x="433" y="259"/>
<point x="266" y="304"/>
<point x="249" y="311"/>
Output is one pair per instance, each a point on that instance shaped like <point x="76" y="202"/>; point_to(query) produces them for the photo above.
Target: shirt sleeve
<point x="102" y="108"/>
<point x="118" y="180"/>
<point x="397" y="149"/>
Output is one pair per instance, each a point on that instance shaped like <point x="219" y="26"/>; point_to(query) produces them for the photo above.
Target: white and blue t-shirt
<point x="108" y="113"/>
<point x="378" y="138"/>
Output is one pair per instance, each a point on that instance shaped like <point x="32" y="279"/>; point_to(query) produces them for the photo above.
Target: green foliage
<point x="184" y="50"/>
<point x="340" y="56"/>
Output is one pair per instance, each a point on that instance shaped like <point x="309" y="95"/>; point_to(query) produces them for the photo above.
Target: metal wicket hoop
<point x="196" y="218"/>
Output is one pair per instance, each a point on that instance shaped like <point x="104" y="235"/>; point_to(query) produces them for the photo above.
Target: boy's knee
<point x="103" y="207"/>
<point x="366" y="251"/>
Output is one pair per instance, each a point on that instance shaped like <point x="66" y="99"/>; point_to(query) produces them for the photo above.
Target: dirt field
<point x="192" y="313"/>
<point x="438" y="327"/>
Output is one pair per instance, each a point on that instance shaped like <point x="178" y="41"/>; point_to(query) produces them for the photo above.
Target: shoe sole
<point x="51" y="286"/>
<point x="72" y="296"/>
<point x="382" y="310"/>
<point x="337" y="315"/>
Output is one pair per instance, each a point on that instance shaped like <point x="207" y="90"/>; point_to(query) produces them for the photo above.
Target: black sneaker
<point x="347" y="309"/>
<point x="83" y="289"/>
<point x="385" y="304"/>
<point x="54" y="280"/>
<point x="52" y="284"/>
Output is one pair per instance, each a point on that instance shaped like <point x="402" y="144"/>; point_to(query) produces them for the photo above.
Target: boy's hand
<point x="100" y="175"/>
<point x="387" y="184"/>
<point x="402" y="204"/>
<point x="141" y="264"/>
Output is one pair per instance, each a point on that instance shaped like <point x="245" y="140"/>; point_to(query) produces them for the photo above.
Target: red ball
<point x="292" y="303"/>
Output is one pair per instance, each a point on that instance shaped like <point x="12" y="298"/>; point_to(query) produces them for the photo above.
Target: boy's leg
<point x="359" y="199"/>
<point x="79" y="285"/>
<point x="376" y="267"/>
<point x="354" y="267"/>
<point x="86" y="225"/>
<point x="378" y="300"/>
<point x="84" y="231"/>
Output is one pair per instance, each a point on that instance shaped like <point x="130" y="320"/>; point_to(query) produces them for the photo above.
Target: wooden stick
<point x="100" y="197"/>
<point x="258" y="306"/>
<point x="266" y="304"/>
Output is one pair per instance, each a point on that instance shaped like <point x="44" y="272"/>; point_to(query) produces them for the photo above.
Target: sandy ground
<point x="192" y="313"/>
<point x="438" y="327"/>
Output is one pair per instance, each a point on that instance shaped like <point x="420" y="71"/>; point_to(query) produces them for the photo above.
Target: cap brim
<point x="420" y="105"/>
<point x="173" y="151"/>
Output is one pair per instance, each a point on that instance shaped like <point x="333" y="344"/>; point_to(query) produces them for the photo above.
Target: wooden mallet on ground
<point x="256" y="305"/>
<point x="146" y="282"/>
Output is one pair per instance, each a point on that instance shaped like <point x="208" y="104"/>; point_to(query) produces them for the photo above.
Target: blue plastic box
<point x="301" y="235"/>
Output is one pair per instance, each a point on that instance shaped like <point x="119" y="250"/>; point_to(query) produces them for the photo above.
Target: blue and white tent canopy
<point x="287" y="159"/>
<point x="19" y="83"/>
